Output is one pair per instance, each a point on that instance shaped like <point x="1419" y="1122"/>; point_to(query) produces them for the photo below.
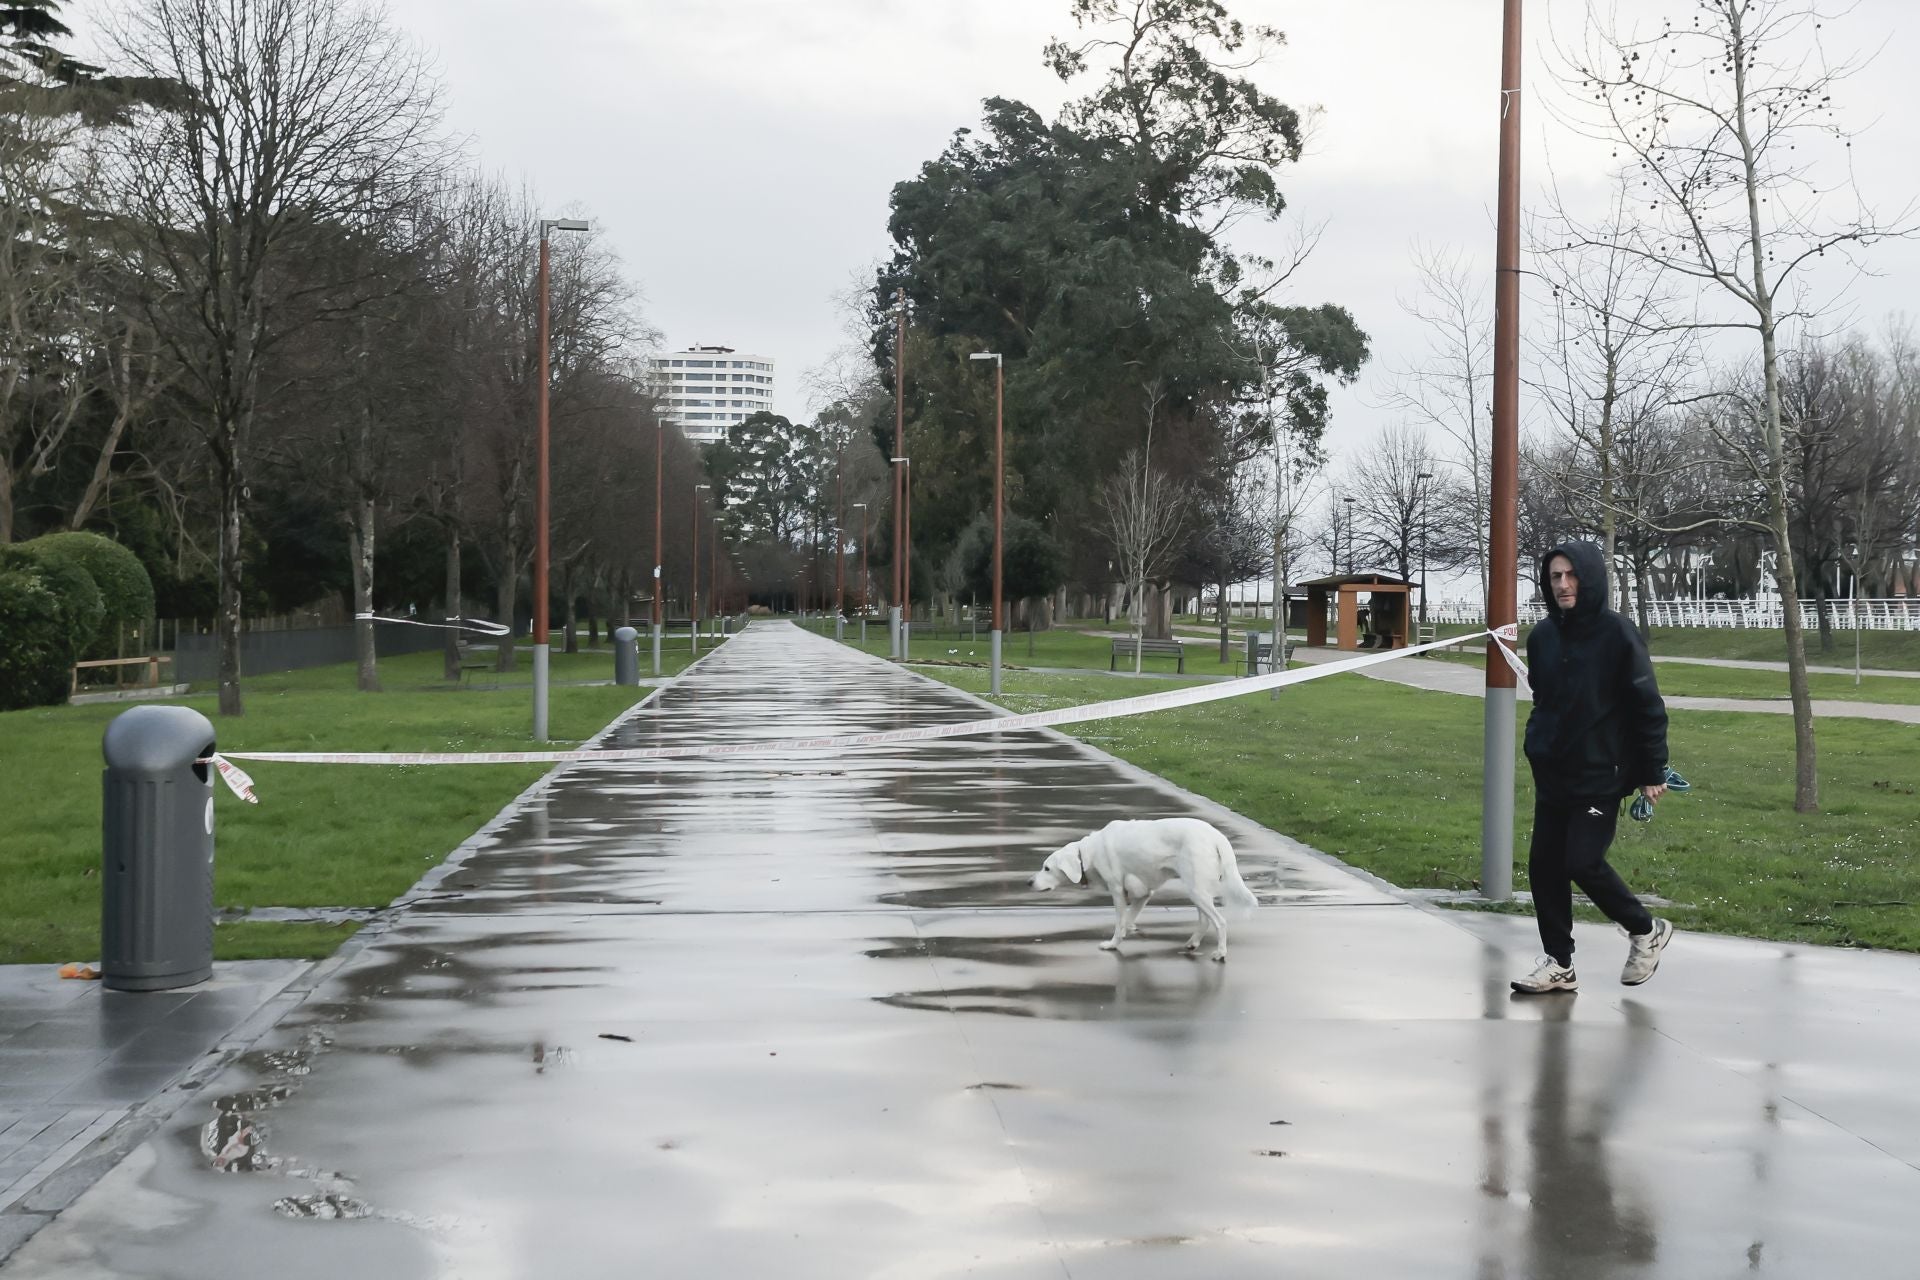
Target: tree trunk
<point x="450" y="649"/>
<point x="360" y="535"/>
<point x="1823" y="613"/>
<point x="6" y="497"/>
<point x="509" y="578"/>
<point x="1643" y="588"/>
<point x="570" y="630"/>
<point x="1225" y="639"/>
<point x="1806" y="780"/>
<point x="228" y="642"/>
<point x="102" y="472"/>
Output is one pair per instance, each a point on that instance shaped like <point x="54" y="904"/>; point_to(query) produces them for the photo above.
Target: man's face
<point x="1563" y="580"/>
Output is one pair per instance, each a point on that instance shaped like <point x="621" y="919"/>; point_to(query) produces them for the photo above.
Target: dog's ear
<point x="1073" y="863"/>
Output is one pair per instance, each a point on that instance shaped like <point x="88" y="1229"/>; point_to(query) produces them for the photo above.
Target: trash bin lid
<point x="156" y="738"/>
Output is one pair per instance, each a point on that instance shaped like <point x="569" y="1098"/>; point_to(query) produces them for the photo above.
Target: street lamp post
<point x="541" y="514"/>
<point x="903" y="539"/>
<point x="1426" y="491"/>
<point x="1496" y="797"/>
<point x="693" y="590"/>
<point x="659" y="578"/>
<point x="713" y="567"/>
<point x="899" y="465"/>
<point x="839" y="552"/>
<point x="861" y="507"/>
<point x="1349" y="502"/>
<point x="999" y="503"/>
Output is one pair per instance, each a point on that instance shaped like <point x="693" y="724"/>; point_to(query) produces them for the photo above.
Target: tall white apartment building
<point x="708" y="389"/>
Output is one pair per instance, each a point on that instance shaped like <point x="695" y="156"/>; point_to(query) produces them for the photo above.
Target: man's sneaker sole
<point x="1571" y="984"/>
<point x="1662" y="935"/>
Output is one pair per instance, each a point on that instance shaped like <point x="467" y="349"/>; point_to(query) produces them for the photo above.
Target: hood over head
<point x="1591" y="568"/>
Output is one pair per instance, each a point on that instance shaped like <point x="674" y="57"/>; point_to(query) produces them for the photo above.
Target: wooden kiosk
<point x="1346" y="589"/>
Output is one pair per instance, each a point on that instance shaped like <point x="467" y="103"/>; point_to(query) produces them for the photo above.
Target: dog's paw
<point x="1110" y="944"/>
<point x="1193" y="944"/>
<point x="1219" y="957"/>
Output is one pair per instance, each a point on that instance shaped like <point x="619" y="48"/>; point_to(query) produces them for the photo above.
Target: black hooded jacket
<point x="1598" y="729"/>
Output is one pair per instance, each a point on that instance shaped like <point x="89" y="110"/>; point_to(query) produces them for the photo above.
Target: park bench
<point x="472" y="659"/>
<point x="120" y="666"/>
<point x="1123" y="648"/>
<point x="1260" y="652"/>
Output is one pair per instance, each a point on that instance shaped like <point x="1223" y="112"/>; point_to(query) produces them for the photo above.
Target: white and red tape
<point x="242" y="785"/>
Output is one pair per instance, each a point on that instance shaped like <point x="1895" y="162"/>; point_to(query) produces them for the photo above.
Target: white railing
<point x="1899" y="613"/>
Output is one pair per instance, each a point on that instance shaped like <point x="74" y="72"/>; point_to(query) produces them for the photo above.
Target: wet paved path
<point x="801" y="1018"/>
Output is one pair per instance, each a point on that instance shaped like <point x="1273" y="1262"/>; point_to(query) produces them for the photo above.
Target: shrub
<point x="126" y="590"/>
<point x="36" y="644"/>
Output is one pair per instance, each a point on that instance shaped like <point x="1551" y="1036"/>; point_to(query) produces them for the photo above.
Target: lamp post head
<point x="903" y="461"/>
<point x="986" y="355"/>
<point x="562" y="224"/>
<point x="857" y="506"/>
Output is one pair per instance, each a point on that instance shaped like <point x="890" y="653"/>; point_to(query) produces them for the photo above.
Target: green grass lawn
<point x="1058" y="647"/>
<point x="1679" y="679"/>
<point x="1684" y="679"/>
<point x="1388" y="778"/>
<point x="335" y="835"/>
<point x="1888" y="650"/>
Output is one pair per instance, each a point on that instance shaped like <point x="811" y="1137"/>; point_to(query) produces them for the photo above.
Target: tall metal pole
<point x="899" y="473"/>
<point x="906" y="561"/>
<point x="713" y="567"/>
<point x="541" y="519"/>
<point x="863" y="573"/>
<point x="1496" y="812"/>
<point x="999" y="506"/>
<point x="659" y="578"/>
<point x="693" y="558"/>
<point x="839" y="550"/>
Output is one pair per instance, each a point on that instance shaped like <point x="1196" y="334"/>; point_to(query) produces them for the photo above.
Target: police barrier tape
<point x="453" y="623"/>
<point x="242" y="785"/>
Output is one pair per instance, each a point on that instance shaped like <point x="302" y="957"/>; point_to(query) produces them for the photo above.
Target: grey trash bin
<point x="156" y="875"/>
<point x="626" y="656"/>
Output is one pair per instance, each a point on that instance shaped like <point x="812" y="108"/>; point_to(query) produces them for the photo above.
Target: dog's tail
<point x="1239" y="898"/>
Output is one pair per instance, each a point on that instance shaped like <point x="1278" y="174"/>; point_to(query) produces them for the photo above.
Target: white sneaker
<point x="1548" y="975"/>
<point x="1643" y="953"/>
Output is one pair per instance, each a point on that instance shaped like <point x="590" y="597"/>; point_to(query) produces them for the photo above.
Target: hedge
<point x="36" y="629"/>
<point x="126" y="589"/>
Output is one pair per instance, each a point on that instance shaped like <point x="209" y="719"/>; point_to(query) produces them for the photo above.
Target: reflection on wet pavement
<point x="802" y="1017"/>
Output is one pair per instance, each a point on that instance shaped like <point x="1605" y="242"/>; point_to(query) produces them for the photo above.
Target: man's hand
<point x="1654" y="792"/>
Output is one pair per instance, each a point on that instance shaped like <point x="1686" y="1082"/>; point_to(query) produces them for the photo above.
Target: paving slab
<point x="799" y="1016"/>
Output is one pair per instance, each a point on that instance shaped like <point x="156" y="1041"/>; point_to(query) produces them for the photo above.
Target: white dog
<point x="1131" y="859"/>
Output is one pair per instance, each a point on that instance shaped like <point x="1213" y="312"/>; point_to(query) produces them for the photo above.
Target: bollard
<point x="156" y="875"/>
<point x="839" y="626"/>
<point x="626" y="656"/>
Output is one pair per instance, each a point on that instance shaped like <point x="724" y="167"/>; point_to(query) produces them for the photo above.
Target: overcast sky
<point x="738" y="154"/>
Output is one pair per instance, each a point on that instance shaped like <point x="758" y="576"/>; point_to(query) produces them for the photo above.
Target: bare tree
<point x="1391" y="484"/>
<point x="1720" y="126"/>
<point x="1144" y="510"/>
<point x="1450" y="388"/>
<point x="300" y="114"/>
<point x="39" y="292"/>
<point x="1612" y="360"/>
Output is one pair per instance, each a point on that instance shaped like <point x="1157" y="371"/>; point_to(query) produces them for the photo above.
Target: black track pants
<point x="1570" y="839"/>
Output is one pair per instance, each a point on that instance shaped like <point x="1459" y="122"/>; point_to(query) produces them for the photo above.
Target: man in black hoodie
<point x="1597" y="733"/>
